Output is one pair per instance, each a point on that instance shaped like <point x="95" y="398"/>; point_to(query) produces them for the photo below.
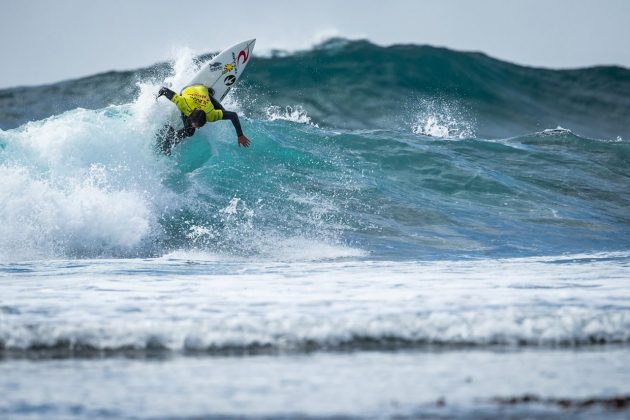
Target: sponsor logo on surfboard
<point x="244" y="55"/>
<point x="229" y="80"/>
<point x="228" y="68"/>
<point x="235" y="63"/>
<point x="215" y="66"/>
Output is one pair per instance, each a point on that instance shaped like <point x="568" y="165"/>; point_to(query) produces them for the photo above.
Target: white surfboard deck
<point x="224" y="70"/>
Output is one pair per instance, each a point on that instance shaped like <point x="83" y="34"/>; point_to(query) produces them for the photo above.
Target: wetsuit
<point x="191" y="98"/>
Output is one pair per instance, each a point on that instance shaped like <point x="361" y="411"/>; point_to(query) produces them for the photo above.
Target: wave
<point x="359" y="85"/>
<point x="413" y="173"/>
<point x="562" y="327"/>
<point x="274" y="327"/>
<point x="196" y="302"/>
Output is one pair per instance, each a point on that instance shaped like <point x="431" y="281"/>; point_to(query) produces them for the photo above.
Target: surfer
<point x="197" y="107"/>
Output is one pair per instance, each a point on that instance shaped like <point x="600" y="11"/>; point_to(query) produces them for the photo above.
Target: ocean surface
<point x="414" y="233"/>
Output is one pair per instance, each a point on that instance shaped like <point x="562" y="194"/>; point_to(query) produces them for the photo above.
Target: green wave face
<point x="356" y="84"/>
<point x="358" y="150"/>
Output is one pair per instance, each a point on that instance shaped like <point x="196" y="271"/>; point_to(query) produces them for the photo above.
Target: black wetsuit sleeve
<point x="232" y="116"/>
<point x="216" y="104"/>
<point x="167" y="92"/>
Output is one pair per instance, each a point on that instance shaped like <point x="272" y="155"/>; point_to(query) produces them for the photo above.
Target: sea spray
<point x="334" y="163"/>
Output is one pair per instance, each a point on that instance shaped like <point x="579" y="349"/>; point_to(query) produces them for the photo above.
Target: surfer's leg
<point x="178" y="136"/>
<point x="169" y="138"/>
<point x="165" y="138"/>
<point x="187" y="131"/>
<point x="183" y="133"/>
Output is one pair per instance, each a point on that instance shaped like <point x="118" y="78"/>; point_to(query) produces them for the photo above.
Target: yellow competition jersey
<point x="196" y="96"/>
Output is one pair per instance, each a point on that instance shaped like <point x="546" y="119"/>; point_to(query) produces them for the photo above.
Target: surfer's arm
<point x="181" y="104"/>
<point x="176" y="99"/>
<point x="216" y="104"/>
<point x="164" y="91"/>
<point x="233" y="116"/>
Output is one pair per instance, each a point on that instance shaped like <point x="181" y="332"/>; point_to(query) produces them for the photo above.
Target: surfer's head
<point x="197" y="118"/>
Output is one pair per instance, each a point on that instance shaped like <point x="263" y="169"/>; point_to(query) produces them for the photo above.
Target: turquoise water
<point x="462" y="156"/>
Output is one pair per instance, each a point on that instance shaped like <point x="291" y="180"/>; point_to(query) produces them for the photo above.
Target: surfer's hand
<point x="243" y="141"/>
<point x="165" y="92"/>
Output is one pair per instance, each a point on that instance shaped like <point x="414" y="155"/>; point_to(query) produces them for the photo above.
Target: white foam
<point x="36" y="212"/>
<point x="306" y="249"/>
<point x="442" y="119"/>
<point x="295" y="113"/>
<point x="83" y="180"/>
<point x="556" y="131"/>
<point x="184" y="68"/>
<point x="231" y="208"/>
<point x="193" y="255"/>
<point x="326" y="304"/>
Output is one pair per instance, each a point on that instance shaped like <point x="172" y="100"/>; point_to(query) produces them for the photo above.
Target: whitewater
<point x="455" y="245"/>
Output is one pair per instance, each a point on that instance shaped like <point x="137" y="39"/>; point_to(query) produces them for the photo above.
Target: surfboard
<point x="224" y="70"/>
<point x="220" y="74"/>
